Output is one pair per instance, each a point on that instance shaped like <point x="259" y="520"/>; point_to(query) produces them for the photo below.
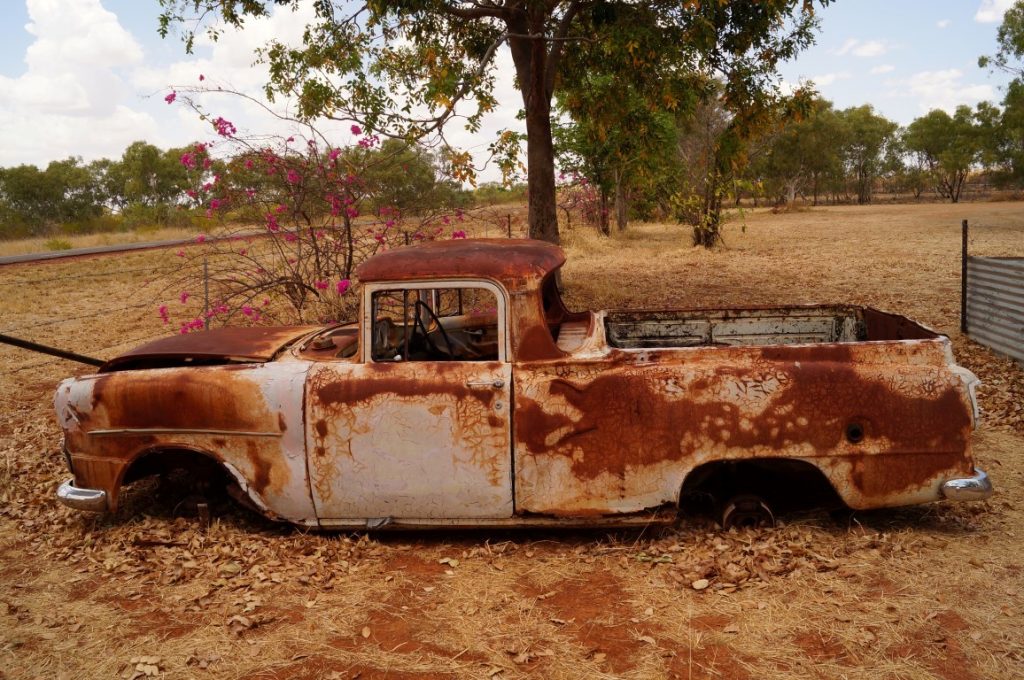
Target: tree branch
<point x="554" y="56"/>
<point x="477" y="11"/>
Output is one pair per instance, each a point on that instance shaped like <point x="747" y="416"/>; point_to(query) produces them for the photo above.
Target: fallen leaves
<point x="142" y="667"/>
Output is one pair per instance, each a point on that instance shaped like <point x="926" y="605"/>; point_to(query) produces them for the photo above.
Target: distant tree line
<point x="677" y="147"/>
<point x="149" y="187"/>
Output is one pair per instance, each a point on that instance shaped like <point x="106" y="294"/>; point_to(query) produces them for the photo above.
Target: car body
<point x="466" y="394"/>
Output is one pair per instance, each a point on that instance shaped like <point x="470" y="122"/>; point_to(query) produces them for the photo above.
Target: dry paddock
<point x="927" y="592"/>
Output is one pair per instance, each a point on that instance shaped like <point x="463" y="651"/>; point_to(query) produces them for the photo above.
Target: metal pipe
<point x="963" y="277"/>
<point x="53" y="351"/>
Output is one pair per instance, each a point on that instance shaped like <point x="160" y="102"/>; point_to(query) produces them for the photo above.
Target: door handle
<point x="485" y="384"/>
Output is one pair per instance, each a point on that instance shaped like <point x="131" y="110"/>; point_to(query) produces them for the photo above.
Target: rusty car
<point x="467" y="394"/>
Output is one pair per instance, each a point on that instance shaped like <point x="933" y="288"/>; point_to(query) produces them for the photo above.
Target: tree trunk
<point x="602" y="210"/>
<point x="621" y="212"/>
<point x="531" y="60"/>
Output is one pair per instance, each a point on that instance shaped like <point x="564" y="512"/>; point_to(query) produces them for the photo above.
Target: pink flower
<point x="171" y="97"/>
<point x="207" y="186"/>
<point x="321" y="285"/>
<point x="445" y="219"/>
<point x="352" y="212"/>
<point x="248" y="164"/>
<point x="280" y="208"/>
<point x="207" y="163"/>
<point x="188" y="160"/>
<point x="180" y="253"/>
<point x="272" y="224"/>
<point x="224" y="127"/>
<point x="191" y="193"/>
<point x="184" y="296"/>
<point x="243" y="251"/>
<point x="342" y="286"/>
<point x="215" y="203"/>
<point x="164" y="314"/>
<point x="459" y="233"/>
<point x="290" y="237"/>
<point x="333" y="155"/>
<point x="247" y="310"/>
<point x="293" y="177"/>
<point x="201" y="238"/>
<point x="289" y="140"/>
<point x="266" y="301"/>
<point x="356" y="130"/>
<point x="201" y="77"/>
<point x="389" y="224"/>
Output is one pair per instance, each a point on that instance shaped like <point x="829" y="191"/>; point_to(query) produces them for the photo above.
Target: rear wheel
<point x="746" y="510"/>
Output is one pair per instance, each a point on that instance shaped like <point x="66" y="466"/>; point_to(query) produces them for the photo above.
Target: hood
<point x="215" y="346"/>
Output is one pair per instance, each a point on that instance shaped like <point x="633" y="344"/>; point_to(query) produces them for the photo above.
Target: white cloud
<point x="943" y="23"/>
<point x="89" y="89"/>
<point x="992" y="11"/>
<point x="862" y="48"/>
<point x="884" y="68"/>
<point x="826" y="79"/>
<point x="871" y="48"/>
<point x="67" y="101"/>
<point x="943" y="89"/>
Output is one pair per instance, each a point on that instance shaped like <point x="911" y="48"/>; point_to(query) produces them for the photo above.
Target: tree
<point x="868" y="140"/>
<point x="62" y="193"/>
<point x="1010" y="143"/>
<point x="948" y="145"/>
<point x="402" y="68"/>
<point x="803" y="155"/>
<point x="1010" y="41"/>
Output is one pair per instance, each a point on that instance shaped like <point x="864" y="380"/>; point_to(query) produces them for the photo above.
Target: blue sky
<point x="87" y="77"/>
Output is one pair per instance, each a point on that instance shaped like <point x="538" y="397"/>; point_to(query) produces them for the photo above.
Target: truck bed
<point x="757" y="326"/>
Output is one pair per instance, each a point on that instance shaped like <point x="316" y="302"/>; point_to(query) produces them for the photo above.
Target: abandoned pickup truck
<point x="468" y="395"/>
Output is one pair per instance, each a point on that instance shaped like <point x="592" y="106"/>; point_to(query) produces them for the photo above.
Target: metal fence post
<point x="963" y="278"/>
<point x="206" y="293"/>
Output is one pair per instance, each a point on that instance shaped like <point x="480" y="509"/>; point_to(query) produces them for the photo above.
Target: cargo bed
<point x="758" y="326"/>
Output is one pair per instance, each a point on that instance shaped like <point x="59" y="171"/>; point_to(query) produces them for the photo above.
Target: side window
<point x="435" y="324"/>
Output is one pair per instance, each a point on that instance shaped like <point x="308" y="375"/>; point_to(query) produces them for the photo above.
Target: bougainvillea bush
<point x="290" y="220"/>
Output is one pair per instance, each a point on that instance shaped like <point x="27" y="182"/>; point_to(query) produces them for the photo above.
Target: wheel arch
<point x="157" y="459"/>
<point x="784" y="482"/>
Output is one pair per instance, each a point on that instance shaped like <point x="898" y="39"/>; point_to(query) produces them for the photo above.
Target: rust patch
<point x="380" y="381"/>
<point x="261" y="468"/>
<point x="259" y="343"/>
<point x="506" y="261"/>
<point x="616" y="421"/>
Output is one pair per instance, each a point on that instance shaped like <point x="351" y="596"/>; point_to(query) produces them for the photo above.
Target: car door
<point x="419" y="429"/>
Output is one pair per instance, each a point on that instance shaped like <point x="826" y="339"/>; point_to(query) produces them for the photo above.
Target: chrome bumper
<point x="93" y="500"/>
<point x="976" y="488"/>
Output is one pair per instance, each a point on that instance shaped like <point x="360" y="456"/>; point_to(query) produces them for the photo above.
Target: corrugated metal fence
<point x="994" y="303"/>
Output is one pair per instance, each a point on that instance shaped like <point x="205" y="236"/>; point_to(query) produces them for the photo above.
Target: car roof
<point x="513" y="262"/>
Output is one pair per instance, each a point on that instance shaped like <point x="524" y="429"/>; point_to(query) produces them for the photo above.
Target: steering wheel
<point x="420" y="304"/>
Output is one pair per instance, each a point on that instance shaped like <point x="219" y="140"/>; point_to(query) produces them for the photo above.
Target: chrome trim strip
<point x="92" y="500"/>
<point x="976" y="488"/>
<point x="161" y="430"/>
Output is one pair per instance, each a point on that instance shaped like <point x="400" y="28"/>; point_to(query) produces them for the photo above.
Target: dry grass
<point x="928" y="592"/>
<point x="39" y="244"/>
